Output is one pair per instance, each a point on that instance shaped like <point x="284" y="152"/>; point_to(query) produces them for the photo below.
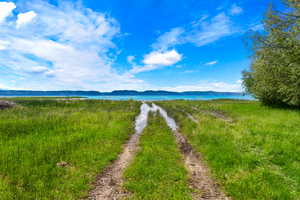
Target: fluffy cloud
<point x="157" y="59"/>
<point x="202" y="32"/>
<point x="211" y="63"/>
<point x="6" y="9"/>
<point x="24" y="18"/>
<point x="68" y="47"/>
<point x="235" y="10"/>
<point x="162" y="58"/>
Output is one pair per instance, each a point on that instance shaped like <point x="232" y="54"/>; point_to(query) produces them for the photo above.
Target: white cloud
<point x="68" y="47"/>
<point x="166" y="58"/>
<point x="190" y="71"/>
<point x="6" y="9"/>
<point x="202" y="32"/>
<point x="211" y="63"/>
<point x="3" y="45"/>
<point x="236" y="10"/>
<point x="209" y="31"/>
<point x="24" y="18"/>
<point x="217" y="86"/>
<point x="38" y="69"/>
<point x="168" y="39"/>
<point x="156" y="60"/>
<point x="71" y="47"/>
<point x="3" y="87"/>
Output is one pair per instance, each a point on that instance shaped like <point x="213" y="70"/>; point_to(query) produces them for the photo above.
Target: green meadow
<point x="53" y="149"/>
<point x="253" y="150"/>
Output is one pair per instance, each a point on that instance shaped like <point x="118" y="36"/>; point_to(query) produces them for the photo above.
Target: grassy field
<point x="54" y="149"/>
<point x="252" y="150"/>
<point x="158" y="171"/>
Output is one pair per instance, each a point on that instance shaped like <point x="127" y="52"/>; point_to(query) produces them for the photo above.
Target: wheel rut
<point x="200" y="179"/>
<point x="108" y="185"/>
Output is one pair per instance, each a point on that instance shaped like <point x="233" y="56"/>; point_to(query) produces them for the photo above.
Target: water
<point x="142" y="119"/>
<point x="153" y="97"/>
<point x="172" y="97"/>
<point x="170" y="121"/>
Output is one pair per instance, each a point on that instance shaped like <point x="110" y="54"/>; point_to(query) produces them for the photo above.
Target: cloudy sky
<point x="107" y="45"/>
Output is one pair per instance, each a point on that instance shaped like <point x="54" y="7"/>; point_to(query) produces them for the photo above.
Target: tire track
<point x="200" y="177"/>
<point x="108" y="185"/>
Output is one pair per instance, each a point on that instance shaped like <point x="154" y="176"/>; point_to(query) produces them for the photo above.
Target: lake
<point x="151" y="97"/>
<point x="171" y="97"/>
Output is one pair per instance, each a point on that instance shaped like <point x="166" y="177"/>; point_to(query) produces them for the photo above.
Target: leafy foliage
<point x="274" y="77"/>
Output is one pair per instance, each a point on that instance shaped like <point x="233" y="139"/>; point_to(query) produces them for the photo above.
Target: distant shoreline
<point x="143" y="97"/>
<point x="113" y="93"/>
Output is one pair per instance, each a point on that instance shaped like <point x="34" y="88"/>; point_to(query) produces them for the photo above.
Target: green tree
<point x="274" y="76"/>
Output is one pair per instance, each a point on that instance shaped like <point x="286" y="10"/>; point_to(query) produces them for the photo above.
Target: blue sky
<point x="107" y="45"/>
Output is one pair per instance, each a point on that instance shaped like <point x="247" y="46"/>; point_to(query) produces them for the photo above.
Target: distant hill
<point x="113" y="93"/>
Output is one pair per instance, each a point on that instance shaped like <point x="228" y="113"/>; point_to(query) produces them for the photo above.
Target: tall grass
<point x="255" y="155"/>
<point x="38" y="135"/>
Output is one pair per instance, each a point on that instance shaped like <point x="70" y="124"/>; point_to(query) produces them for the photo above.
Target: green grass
<point x="257" y="156"/>
<point x="254" y="155"/>
<point x="38" y="134"/>
<point x="157" y="172"/>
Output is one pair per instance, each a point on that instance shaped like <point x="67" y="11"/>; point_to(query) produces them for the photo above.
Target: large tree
<point x="274" y="76"/>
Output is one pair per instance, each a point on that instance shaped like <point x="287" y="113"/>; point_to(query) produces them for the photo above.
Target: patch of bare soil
<point x="108" y="185"/>
<point x="200" y="178"/>
<point x="6" y="104"/>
